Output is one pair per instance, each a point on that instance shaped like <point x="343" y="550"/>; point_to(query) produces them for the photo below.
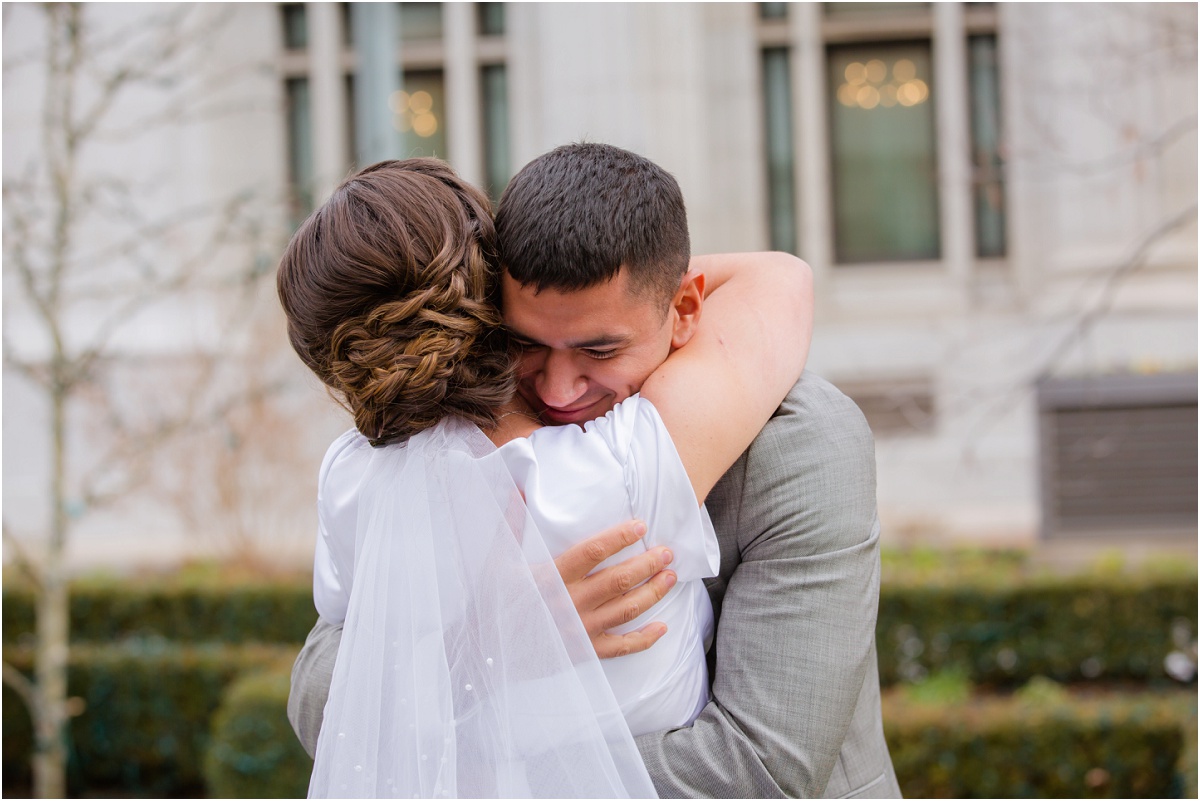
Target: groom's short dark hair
<point x="571" y="218"/>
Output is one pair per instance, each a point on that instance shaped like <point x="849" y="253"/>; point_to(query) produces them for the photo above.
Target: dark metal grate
<point x="1119" y="455"/>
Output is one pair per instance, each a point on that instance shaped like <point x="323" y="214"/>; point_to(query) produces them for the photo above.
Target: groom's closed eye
<point x="600" y="354"/>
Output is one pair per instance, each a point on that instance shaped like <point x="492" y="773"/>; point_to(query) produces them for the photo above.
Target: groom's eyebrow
<point x="602" y="341"/>
<point x="606" y="341"/>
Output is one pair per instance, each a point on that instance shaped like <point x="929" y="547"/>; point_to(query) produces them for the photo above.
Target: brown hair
<point x="390" y="291"/>
<point x="572" y="218"/>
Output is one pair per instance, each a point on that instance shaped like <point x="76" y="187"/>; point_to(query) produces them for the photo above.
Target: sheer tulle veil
<point x="463" y="669"/>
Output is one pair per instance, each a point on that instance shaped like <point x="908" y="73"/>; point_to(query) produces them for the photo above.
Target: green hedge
<point x="149" y="703"/>
<point x="1082" y="628"/>
<point x="103" y="610"/>
<point x="1002" y="747"/>
<point x="1009" y="748"/>
<point x="1106" y="627"/>
<point x="167" y="720"/>
<point x="254" y="753"/>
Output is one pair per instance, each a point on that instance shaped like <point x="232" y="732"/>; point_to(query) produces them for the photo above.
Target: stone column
<point x="377" y="44"/>
<point x="463" y="119"/>
<point x="331" y="152"/>
<point x="953" y="142"/>
<point x="812" y="137"/>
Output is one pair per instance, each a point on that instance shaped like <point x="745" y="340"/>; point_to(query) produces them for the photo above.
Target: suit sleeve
<point x="312" y="674"/>
<point x="795" y="635"/>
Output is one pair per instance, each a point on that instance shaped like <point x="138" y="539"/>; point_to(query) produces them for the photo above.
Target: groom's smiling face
<point x="584" y="351"/>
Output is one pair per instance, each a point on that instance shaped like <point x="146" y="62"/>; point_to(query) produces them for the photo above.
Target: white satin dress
<point x="575" y="483"/>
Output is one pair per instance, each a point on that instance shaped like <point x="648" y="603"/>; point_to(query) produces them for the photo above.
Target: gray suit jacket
<point x="795" y="709"/>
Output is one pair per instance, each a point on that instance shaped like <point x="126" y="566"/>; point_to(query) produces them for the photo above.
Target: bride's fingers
<point x="611" y="645"/>
<point x="580" y="559"/>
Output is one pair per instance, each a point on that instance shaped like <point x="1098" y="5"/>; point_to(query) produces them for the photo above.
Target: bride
<point x="463" y="669"/>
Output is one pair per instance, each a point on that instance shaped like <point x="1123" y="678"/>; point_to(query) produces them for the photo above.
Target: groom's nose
<point x="559" y="382"/>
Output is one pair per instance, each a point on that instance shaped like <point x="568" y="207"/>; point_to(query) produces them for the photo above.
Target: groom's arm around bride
<point x="795" y="709"/>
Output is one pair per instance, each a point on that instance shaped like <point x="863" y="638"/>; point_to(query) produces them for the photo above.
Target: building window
<point x="493" y="81"/>
<point x="879" y="121"/>
<point x="418" y="110"/>
<point x="490" y="18"/>
<point x="1118" y="456"/>
<point x="772" y="10"/>
<point x="420" y="22"/>
<point x="781" y="160"/>
<point x="986" y="162"/>
<point x="295" y="26"/>
<point x="883" y="152"/>
<point x="497" y="166"/>
<point x="420" y="113"/>
<point x="300" y="161"/>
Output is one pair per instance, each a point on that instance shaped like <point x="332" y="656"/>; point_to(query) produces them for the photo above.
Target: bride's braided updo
<point x="391" y="294"/>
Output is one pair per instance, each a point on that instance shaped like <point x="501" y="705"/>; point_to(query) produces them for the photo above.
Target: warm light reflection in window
<point x="414" y="112"/>
<point x="867" y="85"/>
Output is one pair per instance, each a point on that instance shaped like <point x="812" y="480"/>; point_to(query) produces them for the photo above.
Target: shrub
<point x="253" y="752"/>
<point x="1013" y="748"/>
<point x="145" y="727"/>
<point x="1079" y="628"/>
<point x="999" y="629"/>
<point x="206" y="610"/>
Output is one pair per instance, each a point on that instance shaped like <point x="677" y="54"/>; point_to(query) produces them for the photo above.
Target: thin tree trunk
<point x="53" y="631"/>
<point x="50" y="715"/>
<point x="50" y="669"/>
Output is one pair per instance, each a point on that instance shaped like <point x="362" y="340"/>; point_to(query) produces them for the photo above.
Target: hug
<point x="595" y="532"/>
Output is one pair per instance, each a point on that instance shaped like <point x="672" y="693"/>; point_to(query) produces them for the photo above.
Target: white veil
<point x="464" y="670"/>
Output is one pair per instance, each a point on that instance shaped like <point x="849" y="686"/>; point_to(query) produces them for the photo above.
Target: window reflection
<point x="419" y="112"/>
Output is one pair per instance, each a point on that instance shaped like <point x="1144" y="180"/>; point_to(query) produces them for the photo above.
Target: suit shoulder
<point x="810" y="474"/>
<point x="818" y="413"/>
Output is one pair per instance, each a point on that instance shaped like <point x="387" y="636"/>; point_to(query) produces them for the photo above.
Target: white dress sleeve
<point x="576" y="482"/>
<point x="579" y="481"/>
<point x="660" y="491"/>
<point x="343" y="471"/>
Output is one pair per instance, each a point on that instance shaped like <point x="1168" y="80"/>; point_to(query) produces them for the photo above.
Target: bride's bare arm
<point x="717" y="392"/>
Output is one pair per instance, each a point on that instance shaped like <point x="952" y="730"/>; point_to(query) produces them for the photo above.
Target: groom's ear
<point x="686" y="306"/>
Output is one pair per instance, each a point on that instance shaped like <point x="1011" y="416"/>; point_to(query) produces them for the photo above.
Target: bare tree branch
<point x="25" y="689"/>
<point x="1112" y="281"/>
<point x="1082" y="323"/>
<point x="89" y="249"/>
<point x="26" y="565"/>
<point x="1145" y="148"/>
<point x="133" y="449"/>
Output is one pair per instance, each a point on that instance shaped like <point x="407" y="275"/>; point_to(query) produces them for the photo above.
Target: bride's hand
<point x="612" y="596"/>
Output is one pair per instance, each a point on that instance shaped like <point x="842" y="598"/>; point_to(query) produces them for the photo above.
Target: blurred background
<point x="999" y="205"/>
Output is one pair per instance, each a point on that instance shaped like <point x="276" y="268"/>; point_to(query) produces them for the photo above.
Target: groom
<point x="795" y="709"/>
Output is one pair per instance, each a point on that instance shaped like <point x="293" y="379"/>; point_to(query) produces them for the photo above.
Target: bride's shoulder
<point x="612" y="433"/>
<point x="350" y="440"/>
<point x="344" y="448"/>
